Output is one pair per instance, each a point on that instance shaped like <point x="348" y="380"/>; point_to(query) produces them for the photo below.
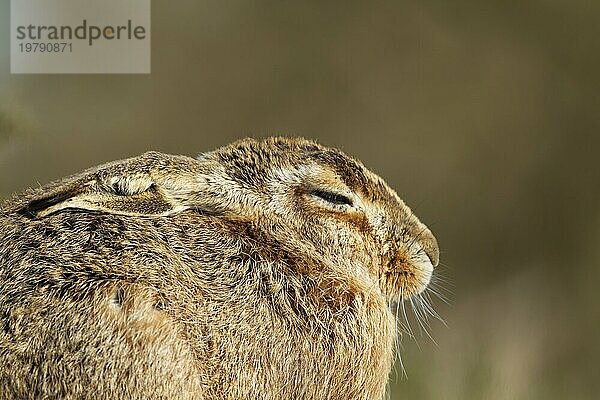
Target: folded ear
<point x="126" y="195"/>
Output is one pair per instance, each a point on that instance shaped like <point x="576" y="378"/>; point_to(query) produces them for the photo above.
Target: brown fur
<point x="222" y="277"/>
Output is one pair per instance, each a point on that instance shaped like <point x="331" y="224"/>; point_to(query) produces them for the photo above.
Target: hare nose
<point x="429" y="244"/>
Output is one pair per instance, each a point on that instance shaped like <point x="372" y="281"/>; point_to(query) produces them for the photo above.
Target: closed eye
<point x="333" y="198"/>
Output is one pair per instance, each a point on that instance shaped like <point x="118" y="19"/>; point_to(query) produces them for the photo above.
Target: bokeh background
<point x="484" y="115"/>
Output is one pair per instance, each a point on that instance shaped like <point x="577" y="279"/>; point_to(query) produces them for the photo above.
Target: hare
<point x="261" y="270"/>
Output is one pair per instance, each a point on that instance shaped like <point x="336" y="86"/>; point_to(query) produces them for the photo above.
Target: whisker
<point x="405" y="315"/>
<point x="433" y="289"/>
<point x="421" y="318"/>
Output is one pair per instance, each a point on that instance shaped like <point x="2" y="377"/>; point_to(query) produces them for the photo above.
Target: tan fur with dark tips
<point x="228" y="276"/>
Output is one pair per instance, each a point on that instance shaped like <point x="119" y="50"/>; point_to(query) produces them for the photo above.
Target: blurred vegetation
<point x="12" y="129"/>
<point x="12" y="125"/>
<point x="5" y="127"/>
<point x="483" y="115"/>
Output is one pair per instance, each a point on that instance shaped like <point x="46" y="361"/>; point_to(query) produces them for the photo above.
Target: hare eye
<point x="333" y="198"/>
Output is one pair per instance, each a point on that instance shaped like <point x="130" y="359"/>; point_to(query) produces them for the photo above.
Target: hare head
<point x="330" y="205"/>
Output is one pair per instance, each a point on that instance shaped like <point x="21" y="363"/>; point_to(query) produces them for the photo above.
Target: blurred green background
<point x="484" y="116"/>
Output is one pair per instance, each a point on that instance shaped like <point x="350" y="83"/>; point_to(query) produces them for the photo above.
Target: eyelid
<point x="332" y="197"/>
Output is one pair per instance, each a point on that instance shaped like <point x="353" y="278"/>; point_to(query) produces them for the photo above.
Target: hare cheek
<point x="408" y="274"/>
<point x="423" y="268"/>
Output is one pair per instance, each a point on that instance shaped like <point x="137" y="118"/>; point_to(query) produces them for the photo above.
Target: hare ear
<point x="125" y="195"/>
